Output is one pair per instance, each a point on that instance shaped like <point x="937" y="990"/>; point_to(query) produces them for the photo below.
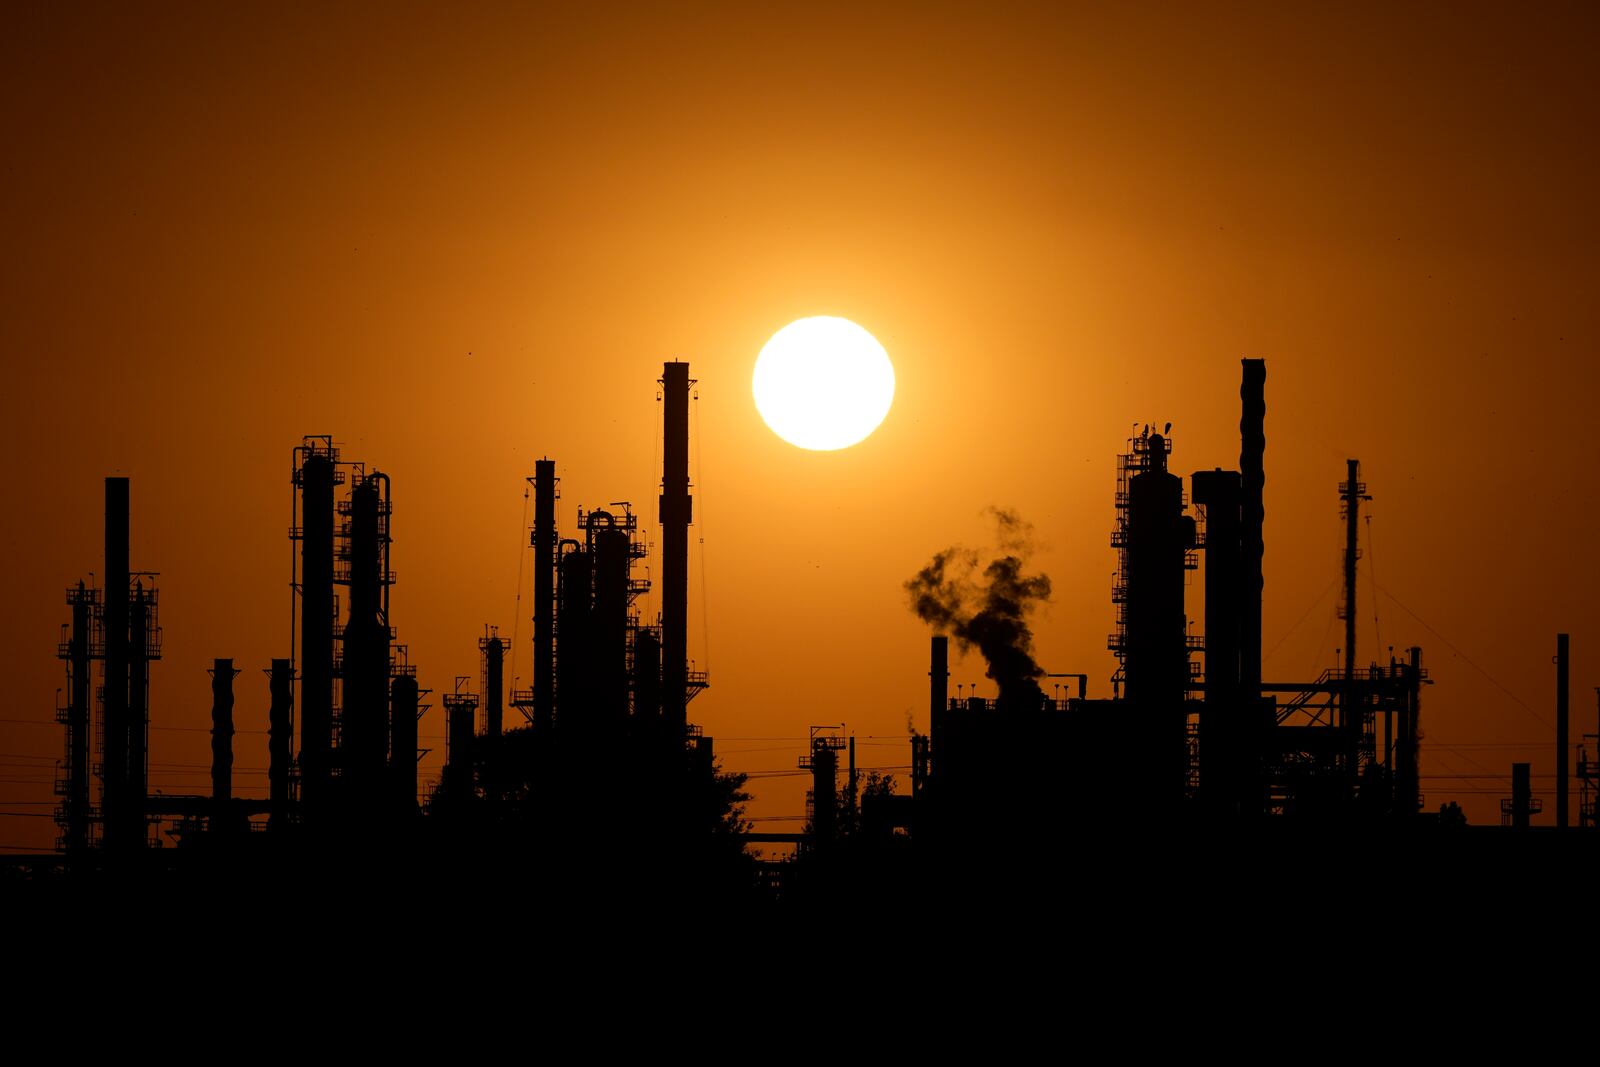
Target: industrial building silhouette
<point x="1193" y="740"/>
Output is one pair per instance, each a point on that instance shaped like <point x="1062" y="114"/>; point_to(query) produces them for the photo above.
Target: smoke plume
<point x="985" y="605"/>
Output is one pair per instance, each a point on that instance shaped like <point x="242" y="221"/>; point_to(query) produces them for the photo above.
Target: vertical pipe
<point x="493" y="687"/>
<point x="572" y="638"/>
<point x="403" y="745"/>
<point x="139" y="634"/>
<point x="1408" y="784"/>
<point x="364" y="717"/>
<point x="852" y="785"/>
<point x="115" y="621"/>
<point x="1563" y="757"/>
<point x="1521" y="795"/>
<point x="1252" y="514"/>
<point x="609" y="631"/>
<point x="938" y="675"/>
<point x="280" y="740"/>
<point x="82" y="686"/>
<point x="315" y="478"/>
<point x="1350" y="696"/>
<point x="222" y="674"/>
<point x="544" y="596"/>
<point x="1352" y="507"/>
<point x="676" y="515"/>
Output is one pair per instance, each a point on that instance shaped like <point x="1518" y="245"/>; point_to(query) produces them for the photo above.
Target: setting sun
<point x="823" y="383"/>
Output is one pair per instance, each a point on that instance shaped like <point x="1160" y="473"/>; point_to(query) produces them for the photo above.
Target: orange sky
<point x="460" y="240"/>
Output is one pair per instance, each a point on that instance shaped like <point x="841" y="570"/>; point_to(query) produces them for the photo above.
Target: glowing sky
<point x="461" y="240"/>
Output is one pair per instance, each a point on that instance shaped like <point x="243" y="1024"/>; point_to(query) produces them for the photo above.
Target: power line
<point x="1301" y="619"/>
<point x="1469" y="661"/>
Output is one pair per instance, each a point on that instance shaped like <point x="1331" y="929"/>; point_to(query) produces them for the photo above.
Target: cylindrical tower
<point x="364" y="715"/>
<point x="1252" y="517"/>
<point x="315" y="477"/>
<point x="609" y="549"/>
<point x="676" y="515"/>
<point x="544" y="595"/>
<point x="222" y="675"/>
<point x="572" y="638"/>
<point x="114" y="803"/>
<point x="1159" y="536"/>
<point x="494" y="652"/>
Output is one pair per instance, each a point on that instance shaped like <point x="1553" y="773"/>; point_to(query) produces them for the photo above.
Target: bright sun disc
<point x="823" y="383"/>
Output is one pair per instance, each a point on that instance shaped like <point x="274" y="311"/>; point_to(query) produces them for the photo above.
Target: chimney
<point x="222" y="675"/>
<point x="676" y="515"/>
<point x="544" y="592"/>
<point x="315" y="478"/>
<point x="114" y="619"/>
<point x="1563" y="752"/>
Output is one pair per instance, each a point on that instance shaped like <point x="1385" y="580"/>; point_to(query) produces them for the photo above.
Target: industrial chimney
<point x="676" y="515"/>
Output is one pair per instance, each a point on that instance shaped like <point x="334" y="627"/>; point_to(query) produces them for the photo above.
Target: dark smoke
<point x="988" y="607"/>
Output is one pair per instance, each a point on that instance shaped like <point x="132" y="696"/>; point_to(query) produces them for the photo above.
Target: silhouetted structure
<point x="222" y="676"/>
<point x="1178" y="741"/>
<point x="406" y="708"/>
<point x="1152" y="755"/>
<point x="280" y="742"/>
<point x="461" y="711"/>
<point x="822" y="801"/>
<point x="1588" y="771"/>
<point x="1563" y="749"/>
<point x="1522" y="803"/>
<point x="78" y="648"/>
<point x="315" y="475"/>
<point x="544" y="595"/>
<point x="676" y="515"/>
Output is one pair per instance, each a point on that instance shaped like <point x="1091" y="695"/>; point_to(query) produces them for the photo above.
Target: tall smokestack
<point x="222" y="675"/>
<point x="544" y="592"/>
<point x="114" y="800"/>
<point x="938" y="675"/>
<point x="1563" y="757"/>
<point x="280" y="740"/>
<point x="315" y="477"/>
<point x="1252" y="474"/>
<point x="494" y="651"/>
<point x="1352" y="493"/>
<point x="676" y="515"/>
